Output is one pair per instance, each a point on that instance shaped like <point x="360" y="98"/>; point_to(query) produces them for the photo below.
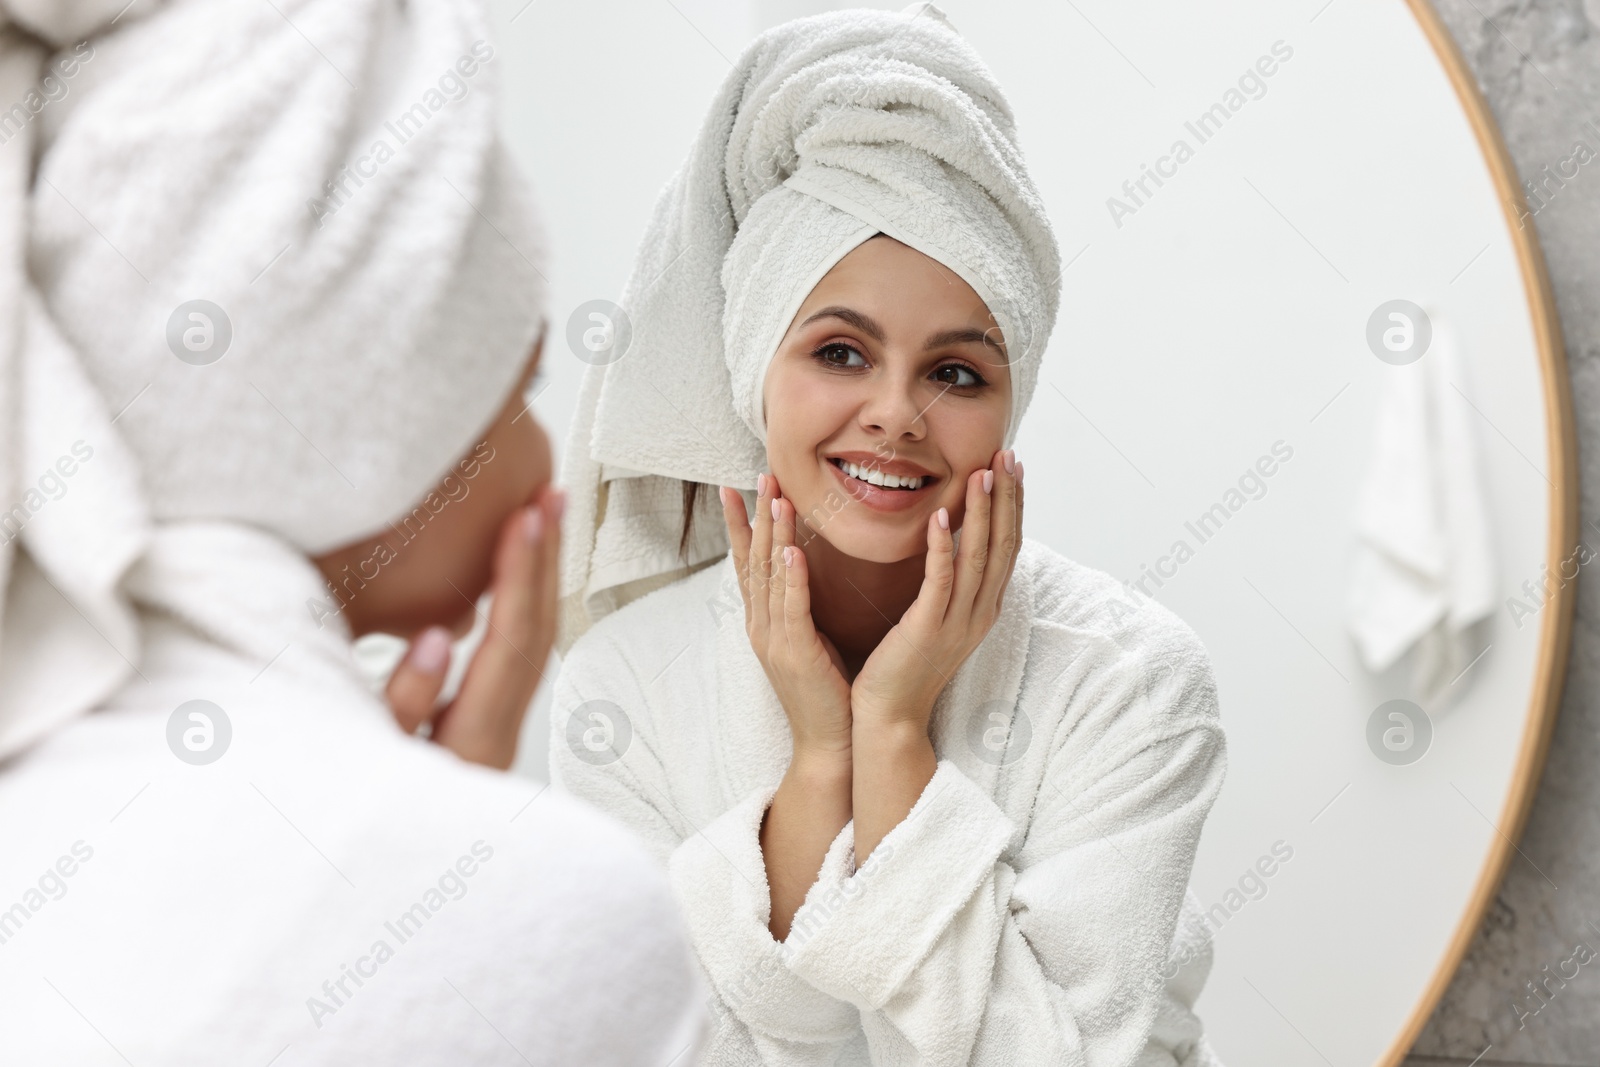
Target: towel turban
<point x="829" y="130"/>
<point x="260" y="264"/>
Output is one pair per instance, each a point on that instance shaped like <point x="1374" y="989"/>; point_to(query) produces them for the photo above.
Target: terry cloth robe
<point x="1024" y="910"/>
<point x="328" y="891"/>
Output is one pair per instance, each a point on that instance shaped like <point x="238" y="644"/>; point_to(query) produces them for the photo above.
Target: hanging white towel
<point x="1422" y="571"/>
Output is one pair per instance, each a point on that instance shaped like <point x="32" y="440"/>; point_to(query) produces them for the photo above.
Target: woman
<point x="262" y="392"/>
<point x="937" y="799"/>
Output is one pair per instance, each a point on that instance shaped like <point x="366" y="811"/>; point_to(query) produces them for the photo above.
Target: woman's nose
<point x="895" y="409"/>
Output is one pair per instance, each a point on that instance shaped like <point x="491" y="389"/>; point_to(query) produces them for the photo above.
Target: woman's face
<point x="893" y="365"/>
<point x="430" y="566"/>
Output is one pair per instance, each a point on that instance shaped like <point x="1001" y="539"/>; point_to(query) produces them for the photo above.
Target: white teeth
<point x="877" y="477"/>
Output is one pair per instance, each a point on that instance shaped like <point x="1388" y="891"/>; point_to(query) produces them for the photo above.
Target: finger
<point x="1003" y="537"/>
<point x="414" y="687"/>
<point x="782" y="538"/>
<point x="1018" y="552"/>
<point x="547" y="587"/>
<point x="797" y="599"/>
<point x="761" y="552"/>
<point x="939" y="571"/>
<point x="973" y="554"/>
<point x="738" y="523"/>
<point x="482" y="723"/>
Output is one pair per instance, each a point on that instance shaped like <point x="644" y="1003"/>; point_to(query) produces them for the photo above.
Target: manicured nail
<point x="532" y="524"/>
<point x="788" y="555"/>
<point x="988" y="480"/>
<point x="1009" y="458"/>
<point x="944" y="519"/>
<point x="558" y="504"/>
<point x="761" y="485"/>
<point x="430" y="651"/>
<point x="774" y="509"/>
<point x="1019" y="472"/>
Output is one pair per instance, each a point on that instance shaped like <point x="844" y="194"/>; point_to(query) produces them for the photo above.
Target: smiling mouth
<point x="872" y="476"/>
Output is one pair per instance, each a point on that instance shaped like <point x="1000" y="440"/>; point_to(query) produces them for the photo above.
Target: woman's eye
<point x="958" y="376"/>
<point x="839" y="354"/>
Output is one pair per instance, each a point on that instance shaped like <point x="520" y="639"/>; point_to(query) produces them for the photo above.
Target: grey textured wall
<point x="1538" y="62"/>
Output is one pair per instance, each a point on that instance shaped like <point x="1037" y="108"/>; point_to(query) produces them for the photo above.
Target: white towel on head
<point x="381" y="302"/>
<point x="1423" y="570"/>
<point x="828" y="130"/>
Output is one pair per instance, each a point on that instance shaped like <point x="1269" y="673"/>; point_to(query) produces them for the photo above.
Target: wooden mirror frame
<point x="1555" y="637"/>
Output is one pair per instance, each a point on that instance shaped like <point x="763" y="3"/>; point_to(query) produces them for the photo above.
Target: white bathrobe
<point x="158" y="912"/>
<point x="1024" y="911"/>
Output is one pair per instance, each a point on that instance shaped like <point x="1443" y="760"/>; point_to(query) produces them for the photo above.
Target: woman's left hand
<point x="482" y="723"/>
<point x="957" y="604"/>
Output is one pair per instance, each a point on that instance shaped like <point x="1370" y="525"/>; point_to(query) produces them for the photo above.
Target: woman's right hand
<point x="804" y="667"/>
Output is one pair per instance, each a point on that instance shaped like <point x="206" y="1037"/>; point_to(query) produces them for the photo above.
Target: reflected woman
<point x="927" y="791"/>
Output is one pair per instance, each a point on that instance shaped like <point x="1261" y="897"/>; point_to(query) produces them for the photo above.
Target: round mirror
<point x="1306" y="389"/>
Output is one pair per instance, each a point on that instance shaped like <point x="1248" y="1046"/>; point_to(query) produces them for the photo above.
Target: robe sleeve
<point x="959" y="948"/>
<point x="1178" y="1036"/>
<point x="717" y="870"/>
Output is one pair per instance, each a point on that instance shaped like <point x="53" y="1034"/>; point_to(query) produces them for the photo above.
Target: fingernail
<point x="774" y="509"/>
<point x="558" y="504"/>
<point x="1009" y="458"/>
<point x="430" y="651"/>
<point x="788" y="555"/>
<point x="761" y="485"/>
<point x="532" y="524"/>
<point x="944" y="519"/>
<point x="988" y="480"/>
<point x="1019" y="472"/>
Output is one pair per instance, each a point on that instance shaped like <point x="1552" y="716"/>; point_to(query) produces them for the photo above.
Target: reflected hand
<point x="482" y="723"/>
<point x="957" y="605"/>
<point x="804" y="667"/>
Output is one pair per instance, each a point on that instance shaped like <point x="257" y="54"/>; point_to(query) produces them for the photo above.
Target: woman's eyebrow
<point x="958" y="337"/>
<point x="850" y="315"/>
<point x="874" y="331"/>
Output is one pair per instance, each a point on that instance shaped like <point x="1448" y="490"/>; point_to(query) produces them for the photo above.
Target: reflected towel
<point x="1422" y="571"/>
